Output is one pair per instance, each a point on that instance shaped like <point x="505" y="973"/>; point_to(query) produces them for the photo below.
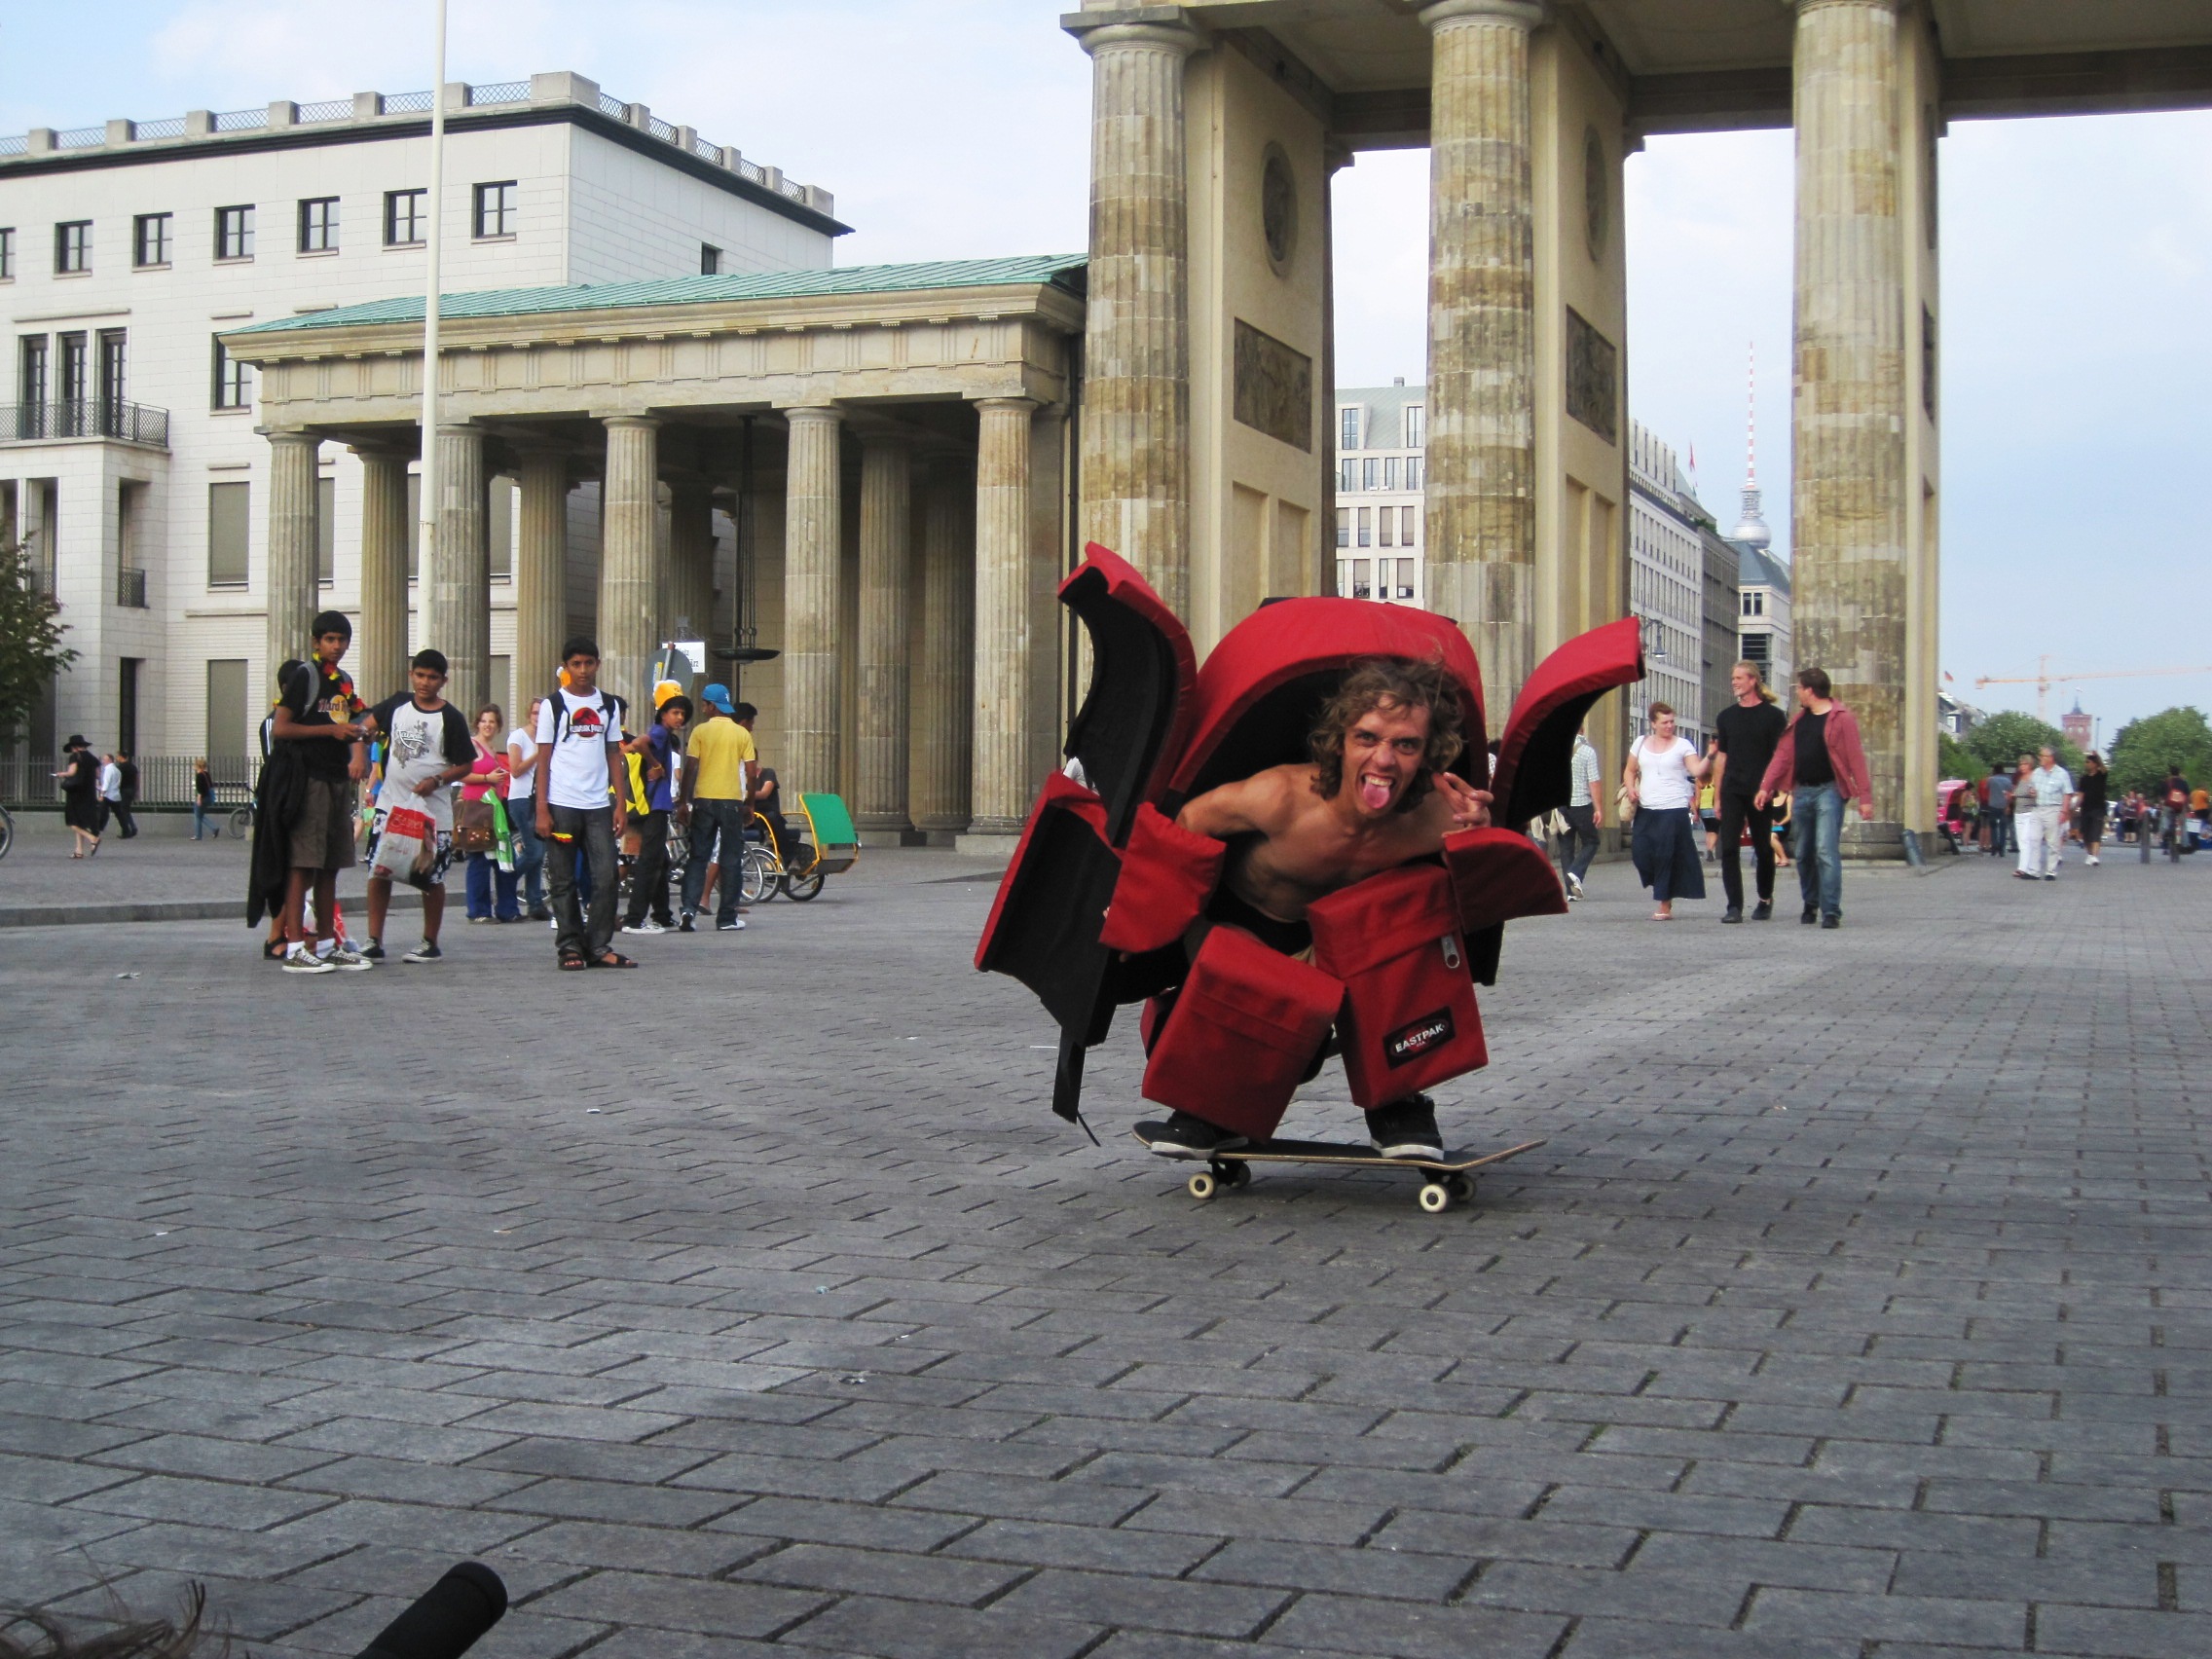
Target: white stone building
<point x="1381" y="445"/>
<point x="129" y="459"/>
<point x="1682" y="584"/>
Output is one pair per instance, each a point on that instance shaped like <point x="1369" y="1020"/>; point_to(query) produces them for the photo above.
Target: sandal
<point x="613" y="959"/>
<point x="571" y="963"/>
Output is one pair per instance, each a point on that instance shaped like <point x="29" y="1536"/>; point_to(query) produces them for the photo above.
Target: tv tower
<point x="1753" y="528"/>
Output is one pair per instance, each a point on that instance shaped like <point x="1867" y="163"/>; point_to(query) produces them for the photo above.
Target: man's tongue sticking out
<point x="1374" y="792"/>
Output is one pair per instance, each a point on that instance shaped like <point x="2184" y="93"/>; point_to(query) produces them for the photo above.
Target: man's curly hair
<point x="1389" y="682"/>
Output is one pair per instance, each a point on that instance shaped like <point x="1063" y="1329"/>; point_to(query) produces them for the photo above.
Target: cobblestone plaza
<point x="1856" y="1306"/>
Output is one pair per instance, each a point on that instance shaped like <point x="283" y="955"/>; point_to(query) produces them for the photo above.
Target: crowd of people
<point x="548" y="815"/>
<point x="2035" y="808"/>
<point x="96" y="789"/>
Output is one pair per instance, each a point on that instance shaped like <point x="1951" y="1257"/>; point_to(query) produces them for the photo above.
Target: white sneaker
<point x="736" y="924"/>
<point x="648" y="926"/>
<point x="301" y="960"/>
<point x="1574" y="887"/>
<point x="2093" y="860"/>
<point x="350" y="960"/>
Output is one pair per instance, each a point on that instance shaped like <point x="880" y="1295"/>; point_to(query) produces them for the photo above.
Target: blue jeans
<point x="1816" y="816"/>
<point x="200" y="821"/>
<point x="712" y="817"/>
<point x="530" y="855"/>
<point x="484" y="877"/>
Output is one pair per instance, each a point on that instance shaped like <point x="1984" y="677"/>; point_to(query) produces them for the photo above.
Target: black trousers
<point x="1736" y="811"/>
<point x="649" y="876"/>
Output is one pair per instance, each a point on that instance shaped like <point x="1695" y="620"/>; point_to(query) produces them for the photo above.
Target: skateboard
<point x="1444" y="1180"/>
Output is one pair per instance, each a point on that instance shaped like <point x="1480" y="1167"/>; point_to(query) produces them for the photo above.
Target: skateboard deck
<point x="1446" y="1179"/>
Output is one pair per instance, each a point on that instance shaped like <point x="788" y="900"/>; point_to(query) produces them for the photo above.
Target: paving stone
<point x="836" y="1569"/>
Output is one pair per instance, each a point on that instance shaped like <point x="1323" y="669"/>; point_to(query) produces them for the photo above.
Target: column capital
<point x="1028" y="405"/>
<point x="798" y="412"/>
<point x="632" y="423"/>
<point x="1802" y="5"/>
<point x="1153" y="28"/>
<point x="1522" y="14"/>
<point x="291" y="436"/>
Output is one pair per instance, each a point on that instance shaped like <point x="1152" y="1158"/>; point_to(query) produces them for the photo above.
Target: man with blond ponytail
<point x="1748" y="731"/>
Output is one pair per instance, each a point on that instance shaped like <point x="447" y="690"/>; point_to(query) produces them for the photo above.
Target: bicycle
<point x="242" y="821"/>
<point x="7" y="830"/>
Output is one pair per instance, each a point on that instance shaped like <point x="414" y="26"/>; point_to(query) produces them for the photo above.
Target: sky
<point x="2076" y="261"/>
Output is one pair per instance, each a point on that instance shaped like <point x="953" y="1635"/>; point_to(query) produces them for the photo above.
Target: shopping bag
<point x="503" y="836"/>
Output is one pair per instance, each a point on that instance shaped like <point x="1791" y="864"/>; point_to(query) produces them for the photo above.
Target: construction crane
<point x="2042" y="679"/>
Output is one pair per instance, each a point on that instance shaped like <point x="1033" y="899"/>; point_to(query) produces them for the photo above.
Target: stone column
<point x="691" y="559"/>
<point x="457" y="582"/>
<point x="1482" y="284"/>
<point x="813" y="534"/>
<point x="292" y="590"/>
<point x="943" y="677"/>
<point x="1001" y="788"/>
<point x="886" y="535"/>
<point x="1849" y="408"/>
<point x="629" y="571"/>
<point x="1136" y="417"/>
<point x="541" y="575"/>
<point x="380" y="653"/>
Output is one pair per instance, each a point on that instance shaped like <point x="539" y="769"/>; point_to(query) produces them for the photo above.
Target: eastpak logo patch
<point x="1409" y="1042"/>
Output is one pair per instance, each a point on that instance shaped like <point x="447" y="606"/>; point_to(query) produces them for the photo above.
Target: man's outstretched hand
<point x="1470" y="807"/>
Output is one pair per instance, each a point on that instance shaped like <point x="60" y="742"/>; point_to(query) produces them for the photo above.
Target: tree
<point x="1954" y="760"/>
<point x="31" y="651"/>
<point x="2145" y="748"/>
<point x="2001" y="739"/>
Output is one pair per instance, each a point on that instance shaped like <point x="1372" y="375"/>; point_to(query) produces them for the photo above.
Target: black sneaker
<point x="426" y="951"/>
<point x="1831" y="920"/>
<point x="1764" y="910"/>
<point x="1812" y="914"/>
<point x="1184" y="1135"/>
<point x="685" y="926"/>
<point x="374" y="950"/>
<point x="1406" y="1128"/>
<point x="1732" y="914"/>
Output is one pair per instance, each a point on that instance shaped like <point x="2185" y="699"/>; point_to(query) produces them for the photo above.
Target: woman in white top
<point x="522" y="812"/>
<point x="1661" y="784"/>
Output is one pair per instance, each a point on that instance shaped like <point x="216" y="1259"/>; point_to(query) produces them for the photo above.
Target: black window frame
<point x="505" y="206"/>
<point x="234" y="237"/>
<point x="7" y="253"/>
<point x="710" y="260"/>
<point x="418" y="217"/>
<point x="72" y="241"/>
<point x="161" y="228"/>
<point x="34" y="369"/>
<point x="233" y="380"/>
<point x="306" y="224"/>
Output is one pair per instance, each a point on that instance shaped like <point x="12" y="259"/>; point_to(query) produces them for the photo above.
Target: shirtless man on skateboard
<point x="1376" y="796"/>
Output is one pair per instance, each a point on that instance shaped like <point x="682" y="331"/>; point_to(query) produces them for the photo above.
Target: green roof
<point x="1063" y="271"/>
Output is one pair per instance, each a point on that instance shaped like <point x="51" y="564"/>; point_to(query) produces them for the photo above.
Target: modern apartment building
<point x="130" y="464"/>
<point x="1381" y="440"/>
<point x="1683" y="581"/>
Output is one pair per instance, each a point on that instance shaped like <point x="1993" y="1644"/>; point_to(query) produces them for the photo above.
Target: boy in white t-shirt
<point x="580" y="738"/>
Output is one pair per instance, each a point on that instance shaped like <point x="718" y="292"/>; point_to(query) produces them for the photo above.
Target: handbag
<point x="475" y="826"/>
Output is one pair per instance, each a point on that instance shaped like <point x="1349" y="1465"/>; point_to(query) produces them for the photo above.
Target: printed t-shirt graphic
<point x="422" y="743"/>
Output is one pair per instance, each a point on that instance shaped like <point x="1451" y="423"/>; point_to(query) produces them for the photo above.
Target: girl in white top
<point x="1661" y="782"/>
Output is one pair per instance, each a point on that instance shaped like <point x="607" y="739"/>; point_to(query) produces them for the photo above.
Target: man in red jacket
<point x="1823" y="765"/>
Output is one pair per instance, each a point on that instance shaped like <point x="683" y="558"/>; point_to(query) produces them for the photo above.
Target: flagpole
<point x="427" y="503"/>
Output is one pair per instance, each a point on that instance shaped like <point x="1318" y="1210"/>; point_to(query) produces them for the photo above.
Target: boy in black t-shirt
<point x="321" y="714"/>
<point x="1748" y="730"/>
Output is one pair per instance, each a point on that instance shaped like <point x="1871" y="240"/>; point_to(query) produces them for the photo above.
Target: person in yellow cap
<point x="664" y="691"/>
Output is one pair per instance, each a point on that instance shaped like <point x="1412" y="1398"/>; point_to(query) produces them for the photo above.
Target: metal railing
<point x="405" y="104"/>
<point x="84" y="418"/>
<point x="15" y="144"/>
<point x="333" y="109"/>
<point x="664" y="130"/>
<point x="164" y="779"/>
<point x="499" y="93"/>
<point x="169" y="126"/>
<point x="130" y="589"/>
<point x="615" y="107"/>
<point x="709" y="152"/>
<point x="241" y="120"/>
<point x="80" y="138"/>
<point x="753" y="170"/>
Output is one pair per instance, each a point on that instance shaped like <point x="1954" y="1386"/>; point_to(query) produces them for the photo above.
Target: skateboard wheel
<point x="1237" y="1175"/>
<point x="1460" y="1187"/>
<point x="1201" y="1184"/>
<point x="1435" y="1198"/>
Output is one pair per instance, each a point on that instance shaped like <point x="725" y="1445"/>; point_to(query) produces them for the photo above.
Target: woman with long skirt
<point x="1661" y="782"/>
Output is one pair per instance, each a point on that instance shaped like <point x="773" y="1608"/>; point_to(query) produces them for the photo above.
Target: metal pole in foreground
<point x="427" y="503"/>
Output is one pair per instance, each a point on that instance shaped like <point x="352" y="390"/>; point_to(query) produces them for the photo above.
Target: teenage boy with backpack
<point x="580" y="738"/>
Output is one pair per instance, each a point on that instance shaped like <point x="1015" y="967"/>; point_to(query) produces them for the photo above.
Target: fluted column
<point x="1136" y="421"/>
<point x="380" y="655"/>
<point x="887" y="538"/>
<point x="541" y="575"/>
<point x="1482" y="285"/>
<point x="291" y="580"/>
<point x="1001" y="785"/>
<point x="456" y="585"/>
<point x="812" y="532"/>
<point x="691" y="558"/>
<point x="1849" y="408"/>
<point x="943" y="677"/>
<point x="629" y="571"/>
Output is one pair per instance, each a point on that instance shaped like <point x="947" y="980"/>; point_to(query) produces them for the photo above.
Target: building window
<point x="1390" y="472"/>
<point x="1347" y="475"/>
<point x="318" y="225"/>
<point x="1343" y="527"/>
<point x="1417" y="426"/>
<point x="233" y="232"/>
<point x="7" y="253"/>
<point x="710" y="260"/>
<point x="1405" y="578"/>
<point x="1362" y="582"/>
<point x="1366" y="528"/>
<point x="233" y="381"/>
<point x="226" y="708"/>
<point x="496" y="210"/>
<point x="31" y="371"/>
<point x="1407" y="519"/>
<point x="150" y="239"/>
<point x="325" y="532"/>
<point x="73" y="247"/>
<point x="1370" y="474"/>
<point x="1389" y="518"/>
<point x="1347" y="429"/>
<point x="227" y="517"/>
<point x="406" y="217"/>
<point x="1413" y="471"/>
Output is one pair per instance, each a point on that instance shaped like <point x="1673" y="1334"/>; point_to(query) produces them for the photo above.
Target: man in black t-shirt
<point x="1748" y="729"/>
<point x="320" y="714"/>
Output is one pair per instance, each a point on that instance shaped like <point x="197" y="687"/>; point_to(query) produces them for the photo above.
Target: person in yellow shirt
<point x="716" y="763"/>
